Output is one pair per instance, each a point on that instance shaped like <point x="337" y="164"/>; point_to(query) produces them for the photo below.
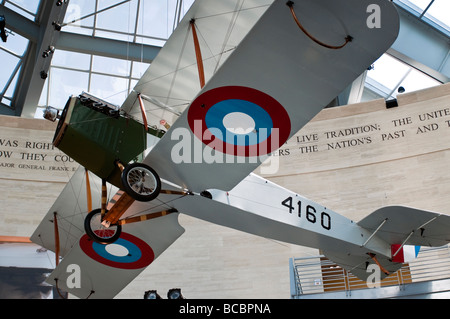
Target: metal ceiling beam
<point x="19" y="24"/>
<point x="35" y="66"/>
<point x="24" y="27"/>
<point x="106" y="47"/>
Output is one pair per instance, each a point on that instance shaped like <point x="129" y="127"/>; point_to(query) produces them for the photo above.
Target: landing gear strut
<point x="140" y="182"/>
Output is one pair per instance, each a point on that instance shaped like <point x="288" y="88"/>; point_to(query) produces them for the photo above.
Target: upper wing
<point x="171" y="82"/>
<point x="272" y="84"/>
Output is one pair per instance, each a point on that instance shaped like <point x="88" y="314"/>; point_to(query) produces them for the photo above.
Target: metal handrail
<point x="319" y="275"/>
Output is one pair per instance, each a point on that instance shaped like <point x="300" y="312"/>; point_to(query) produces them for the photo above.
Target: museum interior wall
<point x="352" y="159"/>
<point x="356" y="158"/>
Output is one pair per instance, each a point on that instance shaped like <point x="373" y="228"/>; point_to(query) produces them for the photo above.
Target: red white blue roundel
<point x="127" y="252"/>
<point x="238" y="120"/>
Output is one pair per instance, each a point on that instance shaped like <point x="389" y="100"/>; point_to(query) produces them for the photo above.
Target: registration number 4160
<point x="309" y="212"/>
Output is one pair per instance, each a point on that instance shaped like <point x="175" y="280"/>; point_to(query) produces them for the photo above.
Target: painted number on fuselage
<point x="307" y="211"/>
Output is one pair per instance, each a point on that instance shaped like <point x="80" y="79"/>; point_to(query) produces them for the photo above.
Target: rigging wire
<point x="177" y="68"/>
<point x="229" y="31"/>
<point x="95" y="13"/>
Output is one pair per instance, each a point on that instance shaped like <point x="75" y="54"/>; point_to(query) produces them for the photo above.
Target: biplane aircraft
<point x="235" y="81"/>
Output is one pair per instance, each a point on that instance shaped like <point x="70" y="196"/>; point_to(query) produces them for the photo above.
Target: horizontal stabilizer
<point x="409" y="226"/>
<point x="401" y="228"/>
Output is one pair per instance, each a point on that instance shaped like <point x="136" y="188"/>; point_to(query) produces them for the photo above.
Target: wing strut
<point x="403" y="244"/>
<point x="104" y="197"/>
<point x="88" y="191"/>
<point x="376" y="230"/>
<point x="55" y="224"/>
<point x="198" y="55"/>
<point x="146" y="217"/>
<point x="144" y="115"/>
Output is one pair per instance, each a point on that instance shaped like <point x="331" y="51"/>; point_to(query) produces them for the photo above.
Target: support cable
<point x="95" y="13"/>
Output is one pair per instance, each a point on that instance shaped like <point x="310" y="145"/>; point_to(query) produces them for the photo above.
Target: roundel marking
<point x="128" y="252"/>
<point x="238" y="120"/>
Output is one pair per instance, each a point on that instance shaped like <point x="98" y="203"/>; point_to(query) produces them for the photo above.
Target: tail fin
<point x="404" y="254"/>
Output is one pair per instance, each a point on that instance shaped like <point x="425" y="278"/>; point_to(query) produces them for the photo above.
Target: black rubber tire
<point x="101" y="235"/>
<point x="139" y="170"/>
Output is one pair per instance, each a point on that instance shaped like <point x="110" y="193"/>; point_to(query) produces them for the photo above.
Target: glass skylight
<point x="434" y="12"/>
<point x="150" y="22"/>
<point x="439" y="12"/>
<point x="26" y="8"/>
<point x="137" y="21"/>
<point x="72" y="73"/>
<point x="388" y="74"/>
<point x="147" y="22"/>
<point x="11" y="55"/>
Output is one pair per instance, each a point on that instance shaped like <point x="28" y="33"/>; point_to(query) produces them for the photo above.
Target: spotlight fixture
<point x="43" y="75"/>
<point x="175" y="293"/>
<point x="49" y="51"/>
<point x="57" y="25"/>
<point x="151" y="294"/>
<point x="391" y="103"/>
<point x="60" y="2"/>
<point x="51" y="114"/>
<point x="3" y="34"/>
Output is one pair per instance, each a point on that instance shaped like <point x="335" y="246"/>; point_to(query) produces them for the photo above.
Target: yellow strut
<point x="198" y="55"/>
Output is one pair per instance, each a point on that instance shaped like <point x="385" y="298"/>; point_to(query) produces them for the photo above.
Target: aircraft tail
<point x="404" y="254"/>
<point x="403" y="230"/>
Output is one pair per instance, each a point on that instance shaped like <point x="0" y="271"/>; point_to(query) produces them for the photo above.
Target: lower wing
<point x="89" y="269"/>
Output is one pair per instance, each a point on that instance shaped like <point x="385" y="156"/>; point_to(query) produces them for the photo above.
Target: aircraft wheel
<point x="98" y="232"/>
<point x="141" y="182"/>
